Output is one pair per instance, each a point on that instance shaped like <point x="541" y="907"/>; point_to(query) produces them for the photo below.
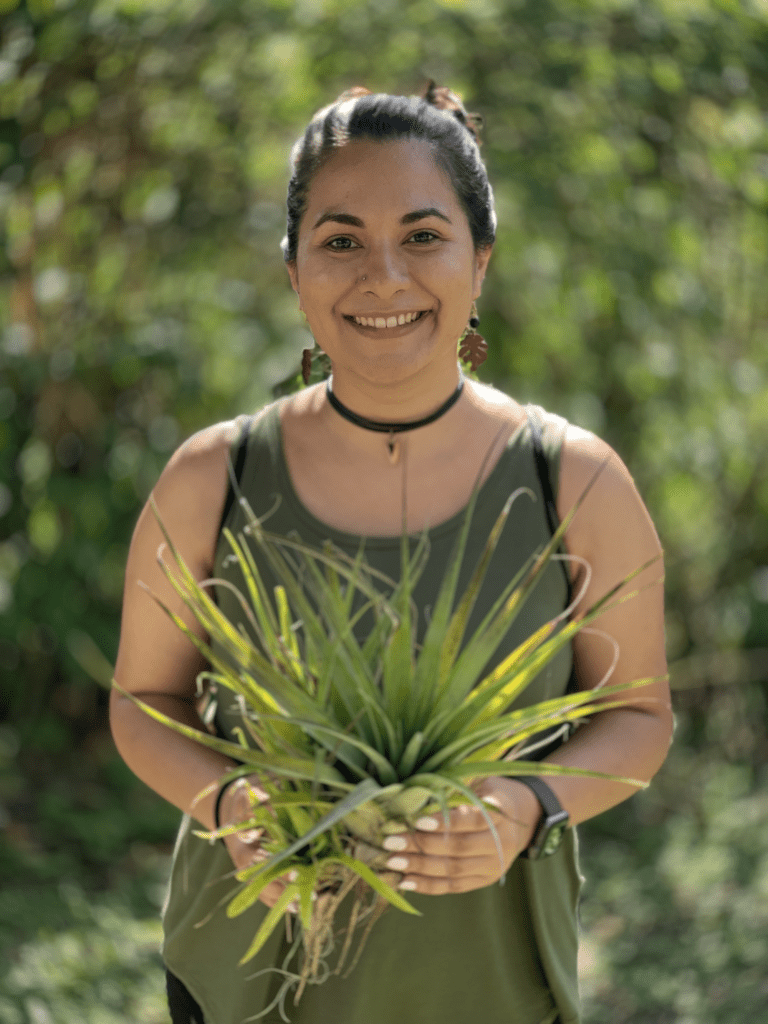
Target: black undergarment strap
<point x="242" y="451"/>
<point x="542" y="469"/>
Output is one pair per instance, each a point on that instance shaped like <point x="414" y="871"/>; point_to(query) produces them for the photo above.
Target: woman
<point x="390" y="230"/>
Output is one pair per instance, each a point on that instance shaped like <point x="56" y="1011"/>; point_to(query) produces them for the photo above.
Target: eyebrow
<point x="408" y="218"/>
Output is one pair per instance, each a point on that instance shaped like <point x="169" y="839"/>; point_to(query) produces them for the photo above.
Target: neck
<point x="397" y="401"/>
<point x="394" y="430"/>
<point x="392" y="426"/>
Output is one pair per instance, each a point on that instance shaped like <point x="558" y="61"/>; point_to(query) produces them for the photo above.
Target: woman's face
<point x="386" y="269"/>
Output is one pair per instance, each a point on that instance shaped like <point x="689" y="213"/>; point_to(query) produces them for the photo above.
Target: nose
<point x="385" y="272"/>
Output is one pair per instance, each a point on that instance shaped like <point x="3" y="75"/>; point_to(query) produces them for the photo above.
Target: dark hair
<point x="438" y="117"/>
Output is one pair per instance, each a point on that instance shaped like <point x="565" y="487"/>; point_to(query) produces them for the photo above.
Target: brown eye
<point x="423" y="237"/>
<point x="341" y="244"/>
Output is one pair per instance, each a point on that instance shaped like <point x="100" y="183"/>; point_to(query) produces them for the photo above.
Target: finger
<point x="419" y="867"/>
<point x="249" y="836"/>
<point x="446" y="844"/>
<point x="241" y="798"/>
<point x="253" y="790"/>
<point x="430" y="886"/>
<point x="466" y="818"/>
<point x="271" y="893"/>
<point x="244" y="856"/>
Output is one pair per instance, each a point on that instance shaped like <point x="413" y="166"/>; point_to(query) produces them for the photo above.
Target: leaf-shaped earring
<point x="306" y="364"/>
<point x="473" y="348"/>
<point x="314" y="363"/>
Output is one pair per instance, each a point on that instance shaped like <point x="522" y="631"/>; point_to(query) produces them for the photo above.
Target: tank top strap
<point x="254" y="455"/>
<point x="547" y="435"/>
<point x="551" y="430"/>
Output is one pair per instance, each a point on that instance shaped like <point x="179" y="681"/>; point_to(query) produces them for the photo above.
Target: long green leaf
<point x="306" y="882"/>
<point x="397" y="655"/>
<point x="312" y="622"/>
<point x="375" y="881"/>
<point x="410" y="754"/>
<point x="363" y="792"/>
<point x="500" y="688"/>
<point x="452" y="633"/>
<point x="257" y="591"/>
<point x="242" y="652"/>
<point x="485" y="769"/>
<point x="275" y="764"/>
<point x="382" y="765"/>
<point x="441" y="640"/>
<point x="484" y="643"/>
<point x="527" y="721"/>
<point x="250" y="892"/>
<point x="271" y="921"/>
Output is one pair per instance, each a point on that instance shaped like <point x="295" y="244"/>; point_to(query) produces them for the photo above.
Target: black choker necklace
<point x="392" y="428"/>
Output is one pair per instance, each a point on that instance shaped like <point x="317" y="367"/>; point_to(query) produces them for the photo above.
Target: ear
<point x="294" y="276"/>
<point x="481" y="265"/>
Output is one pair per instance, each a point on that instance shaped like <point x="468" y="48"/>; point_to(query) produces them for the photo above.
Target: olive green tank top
<point x="504" y="954"/>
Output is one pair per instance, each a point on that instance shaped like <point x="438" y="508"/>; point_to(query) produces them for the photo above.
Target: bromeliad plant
<point x="352" y="739"/>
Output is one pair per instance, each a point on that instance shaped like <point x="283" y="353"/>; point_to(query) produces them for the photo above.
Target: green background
<point x="143" y="165"/>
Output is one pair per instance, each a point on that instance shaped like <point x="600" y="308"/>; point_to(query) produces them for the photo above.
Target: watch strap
<point x="553" y="814"/>
<point x="544" y="793"/>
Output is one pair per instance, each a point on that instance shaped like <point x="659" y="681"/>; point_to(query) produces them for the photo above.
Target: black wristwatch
<point x="553" y="821"/>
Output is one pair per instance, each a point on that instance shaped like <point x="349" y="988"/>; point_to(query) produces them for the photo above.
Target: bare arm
<point x="613" y="532"/>
<point x="155" y="661"/>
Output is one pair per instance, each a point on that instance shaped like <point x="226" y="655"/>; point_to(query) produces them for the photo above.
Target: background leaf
<point x="142" y="180"/>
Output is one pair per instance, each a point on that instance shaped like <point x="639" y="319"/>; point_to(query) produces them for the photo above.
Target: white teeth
<point x="390" y="321"/>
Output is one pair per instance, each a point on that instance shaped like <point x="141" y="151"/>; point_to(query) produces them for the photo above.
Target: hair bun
<point x="352" y="94"/>
<point x="443" y="98"/>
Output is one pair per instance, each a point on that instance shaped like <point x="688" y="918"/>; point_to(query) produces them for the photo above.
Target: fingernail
<point x="293" y="875"/>
<point x="250" y="836"/>
<point x="492" y="801"/>
<point x="427" y="825"/>
<point x="408" y="884"/>
<point x="293" y="907"/>
<point x="395" y="843"/>
<point x="397" y="863"/>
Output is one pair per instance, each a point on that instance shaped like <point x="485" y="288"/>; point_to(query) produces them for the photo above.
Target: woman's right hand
<point x="244" y="847"/>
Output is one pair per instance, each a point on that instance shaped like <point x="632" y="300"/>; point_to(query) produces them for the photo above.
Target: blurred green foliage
<point x="143" y="159"/>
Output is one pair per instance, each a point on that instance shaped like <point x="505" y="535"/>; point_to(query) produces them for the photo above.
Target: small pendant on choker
<point x="393" y="446"/>
<point x="392" y="429"/>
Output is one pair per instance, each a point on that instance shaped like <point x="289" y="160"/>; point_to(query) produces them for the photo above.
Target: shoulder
<point x="493" y="408"/>
<point x="585" y="459"/>
<point x="189" y="496"/>
<point x="201" y="459"/>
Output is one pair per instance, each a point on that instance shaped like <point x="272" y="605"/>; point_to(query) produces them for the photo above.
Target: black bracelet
<point x="217" y="806"/>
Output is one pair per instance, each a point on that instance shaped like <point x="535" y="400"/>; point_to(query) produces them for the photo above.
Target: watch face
<point x="553" y="840"/>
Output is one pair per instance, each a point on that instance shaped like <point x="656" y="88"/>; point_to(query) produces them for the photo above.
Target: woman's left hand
<point x="464" y="855"/>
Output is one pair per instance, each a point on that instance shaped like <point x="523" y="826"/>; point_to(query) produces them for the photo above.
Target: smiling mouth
<point x="381" y="322"/>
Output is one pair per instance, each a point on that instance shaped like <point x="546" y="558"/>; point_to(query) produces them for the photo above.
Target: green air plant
<point x="353" y="740"/>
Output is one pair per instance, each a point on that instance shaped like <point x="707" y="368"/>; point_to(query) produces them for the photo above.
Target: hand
<point x="243" y="846"/>
<point x="463" y="856"/>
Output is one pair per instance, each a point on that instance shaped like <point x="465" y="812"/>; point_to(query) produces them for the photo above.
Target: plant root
<point x="321" y="939"/>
